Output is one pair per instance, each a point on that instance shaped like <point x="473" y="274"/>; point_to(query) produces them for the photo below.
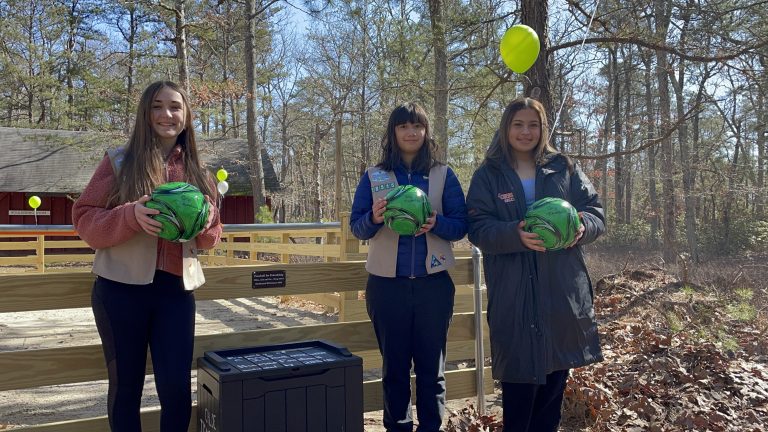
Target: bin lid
<point x="274" y="357"/>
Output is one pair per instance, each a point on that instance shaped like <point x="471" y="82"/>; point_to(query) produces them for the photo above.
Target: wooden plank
<point x="355" y="309"/>
<point x="71" y="290"/>
<point x="13" y="261"/>
<point x="310" y="233"/>
<point x="460" y="384"/>
<point x="82" y="258"/>
<point x="22" y="245"/>
<point x="456" y="350"/>
<point x="28" y="292"/>
<point x="51" y="366"/>
<point x="65" y="244"/>
<point x="320" y="250"/>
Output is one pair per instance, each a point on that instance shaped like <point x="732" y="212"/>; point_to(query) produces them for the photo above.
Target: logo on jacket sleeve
<point x="507" y="197"/>
<point x="437" y="262"/>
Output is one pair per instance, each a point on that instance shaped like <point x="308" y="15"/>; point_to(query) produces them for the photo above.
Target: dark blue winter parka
<point x="540" y="310"/>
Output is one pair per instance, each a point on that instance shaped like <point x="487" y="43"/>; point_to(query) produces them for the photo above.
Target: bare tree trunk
<point x="731" y="193"/>
<point x="314" y="192"/>
<point x="618" y="188"/>
<point x="663" y="10"/>
<point x="181" y="44"/>
<point x="441" y="77"/>
<point x="73" y="21"/>
<point x="254" y="144"/>
<point x="606" y="139"/>
<point x="365" y="151"/>
<point x="762" y="131"/>
<point x="685" y="159"/>
<point x="225" y="95"/>
<point x="535" y="14"/>
<point x="626" y="186"/>
<point x="650" y="120"/>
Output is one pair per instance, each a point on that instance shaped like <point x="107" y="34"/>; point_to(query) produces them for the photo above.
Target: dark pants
<point x="411" y="319"/>
<point x="131" y="318"/>
<point x="533" y="407"/>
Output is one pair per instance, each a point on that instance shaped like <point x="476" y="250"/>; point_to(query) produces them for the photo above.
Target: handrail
<point x="6" y="229"/>
<point x="477" y="257"/>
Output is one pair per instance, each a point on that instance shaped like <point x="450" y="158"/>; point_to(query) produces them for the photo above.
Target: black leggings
<point x="533" y="407"/>
<point x="131" y="318"/>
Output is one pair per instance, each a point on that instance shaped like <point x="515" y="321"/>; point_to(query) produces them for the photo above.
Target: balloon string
<point x="570" y="91"/>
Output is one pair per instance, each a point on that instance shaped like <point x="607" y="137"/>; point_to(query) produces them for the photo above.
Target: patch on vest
<point x="437" y="262"/>
<point x="379" y="176"/>
<point x="383" y="186"/>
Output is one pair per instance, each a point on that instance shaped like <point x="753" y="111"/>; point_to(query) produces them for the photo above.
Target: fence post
<point x="230" y="260"/>
<point x="349" y="244"/>
<point x="41" y="253"/>
<point x="252" y="254"/>
<point x="330" y="238"/>
<point x="285" y="238"/>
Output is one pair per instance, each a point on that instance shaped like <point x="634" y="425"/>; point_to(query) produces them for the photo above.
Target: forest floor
<point x="685" y="348"/>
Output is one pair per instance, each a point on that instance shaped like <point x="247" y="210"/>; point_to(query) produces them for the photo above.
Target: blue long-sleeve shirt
<point x="412" y="251"/>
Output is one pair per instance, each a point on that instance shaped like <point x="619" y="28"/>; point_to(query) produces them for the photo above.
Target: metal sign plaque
<point x="268" y="279"/>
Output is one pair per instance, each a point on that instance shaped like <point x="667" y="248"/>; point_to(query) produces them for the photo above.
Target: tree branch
<point x="655" y="46"/>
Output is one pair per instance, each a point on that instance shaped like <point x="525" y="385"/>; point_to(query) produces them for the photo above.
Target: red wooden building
<point x="56" y="165"/>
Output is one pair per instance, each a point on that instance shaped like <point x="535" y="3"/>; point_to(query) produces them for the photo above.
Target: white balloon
<point x="223" y="187"/>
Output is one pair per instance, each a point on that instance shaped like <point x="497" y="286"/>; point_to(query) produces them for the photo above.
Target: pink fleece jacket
<point x="103" y="227"/>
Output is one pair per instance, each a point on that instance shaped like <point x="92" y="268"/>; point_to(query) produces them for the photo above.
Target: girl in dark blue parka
<point x="540" y="311"/>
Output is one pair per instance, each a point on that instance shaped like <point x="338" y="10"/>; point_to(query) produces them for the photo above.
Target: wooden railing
<point x="50" y="249"/>
<point x="23" y="369"/>
<point x="43" y="249"/>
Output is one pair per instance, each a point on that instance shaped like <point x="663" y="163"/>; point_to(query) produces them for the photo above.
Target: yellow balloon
<point x="34" y="201"/>
<point x="222" y="174"/>
<point x="519" y="48"/>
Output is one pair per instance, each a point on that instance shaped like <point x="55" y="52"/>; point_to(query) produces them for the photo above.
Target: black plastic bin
<point x="311" y="386"/>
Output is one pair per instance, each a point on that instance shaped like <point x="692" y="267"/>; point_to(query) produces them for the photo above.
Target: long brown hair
<point x="410" y="112"/>
<point x="500" y="148"/>
<point x="142" y="168"/>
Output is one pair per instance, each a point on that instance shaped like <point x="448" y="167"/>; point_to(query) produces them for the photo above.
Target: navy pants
<point x="533" y="407"/>
<point x="411" y="319"/>
<point x="131" y="318"/>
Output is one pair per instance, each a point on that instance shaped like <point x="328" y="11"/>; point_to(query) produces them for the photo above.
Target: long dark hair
<point x="142" y="167"/>
<point x="410" y="112"/>
<point x="500" y="148"/>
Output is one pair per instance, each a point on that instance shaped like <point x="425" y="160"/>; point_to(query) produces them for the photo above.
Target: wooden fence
<point x="61" y="290"/>
<point x="59" y="250"/>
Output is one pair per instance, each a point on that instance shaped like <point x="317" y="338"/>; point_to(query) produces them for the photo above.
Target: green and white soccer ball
<point x="555" y="220"/>
<point x="407" y="209"/>
<point x="183" y="210"/>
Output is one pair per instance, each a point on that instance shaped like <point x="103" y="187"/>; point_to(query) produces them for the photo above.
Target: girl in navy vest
<point x="143" y="294"/>
<point x="409" y="295"/>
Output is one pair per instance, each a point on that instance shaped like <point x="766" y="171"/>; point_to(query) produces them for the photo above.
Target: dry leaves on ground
<point x="674" y="360"/>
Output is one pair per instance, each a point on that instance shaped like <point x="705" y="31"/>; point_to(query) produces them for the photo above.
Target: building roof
<point x="58" y="161"/>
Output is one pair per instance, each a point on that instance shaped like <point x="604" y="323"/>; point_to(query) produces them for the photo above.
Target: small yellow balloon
<point x="519" y="48"/>
<point x="222" y="174"/>
<point x="34" y="201"/>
